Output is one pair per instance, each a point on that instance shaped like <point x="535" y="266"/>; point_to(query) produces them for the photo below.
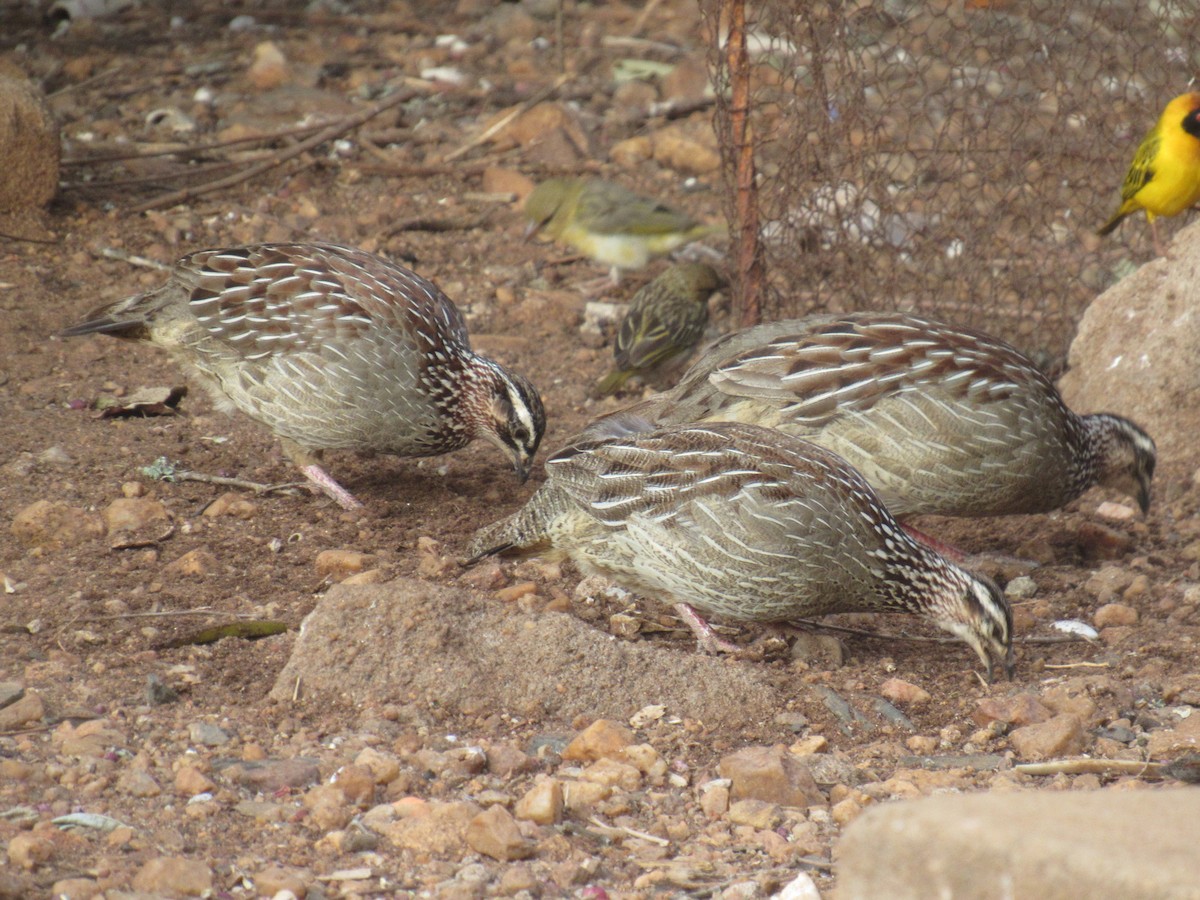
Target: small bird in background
<point x="665" y="320"/>
<point x="609" y="223"/>
<point x="1164" y="178"/>
<point x="331" y="348"/>
<point x="746" y="523"/>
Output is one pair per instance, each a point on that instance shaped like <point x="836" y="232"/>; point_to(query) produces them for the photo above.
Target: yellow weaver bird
<point x="1164" y="178"/>
<point x="664" y="321"/>
<point x="609" y="223"/>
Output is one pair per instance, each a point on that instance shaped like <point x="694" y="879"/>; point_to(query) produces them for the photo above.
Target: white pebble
<point x="1074" y="626"/>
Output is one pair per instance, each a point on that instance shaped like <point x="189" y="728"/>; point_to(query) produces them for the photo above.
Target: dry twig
<point x="505" y="119"/>
<point x="614" y="830"/>
<point x="244" y="484"/>
<point x="193" y="150"/>
<point x="133" y="259"/>
<point x="1078" y="665"/>
<point x="326" y="134"/>
<point x="1092" y="767"/>
<point x="399" y="170"/>
<point x="424" y="223"/>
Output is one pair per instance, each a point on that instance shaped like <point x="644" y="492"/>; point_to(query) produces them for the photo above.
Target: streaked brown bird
<point x="1164" y="178"/>
<point x="609" y="223"/>
<point x="331" y="348"/>
<point x="749" y="524"/>
<point x="665" y="320"/>
<point x="940" y="419"/>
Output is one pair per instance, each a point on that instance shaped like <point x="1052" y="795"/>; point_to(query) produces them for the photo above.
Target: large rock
<point x="29" y="154"/>
<point x="1053" y="846"/>
<point x="410" y="641"/>
<point x="1135" y="351"/>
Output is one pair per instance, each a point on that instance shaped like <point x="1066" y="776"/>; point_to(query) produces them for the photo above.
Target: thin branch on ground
<point x="87" y="82"/>
<point x="423" y="223"/>
<point x="332" y="131"/>
<point x="194" y="150"/>
<point x="1078" y="665"/>
<point x="505" y="119"/>
<point x="226" y="481"/>
<point x="613" y="830"/>
<point x="399" y="170"/>
<point x="133" y="259"/>
<point x="1092" y="767"/>
<point x="28" y="238"/>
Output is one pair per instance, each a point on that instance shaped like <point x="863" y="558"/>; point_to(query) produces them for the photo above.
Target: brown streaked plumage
<point x="940" y="419"/>
<point x="331" y="348"/>
<point x="665" y="320"/>
<point x="749" y="524"/>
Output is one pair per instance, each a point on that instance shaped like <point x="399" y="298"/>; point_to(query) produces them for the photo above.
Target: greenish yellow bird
<point x="665" y="320"/>
<point x="608" y="222"/>
<point x="1164" y="178"/>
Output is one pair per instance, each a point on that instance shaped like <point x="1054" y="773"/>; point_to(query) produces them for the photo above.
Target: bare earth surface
<point x="445" y="701"/>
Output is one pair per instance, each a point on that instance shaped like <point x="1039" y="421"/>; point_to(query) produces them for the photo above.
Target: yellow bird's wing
<point x="1140" y="174"/>
<point x="1141" y="170"/>
<point x="607" y="208"/>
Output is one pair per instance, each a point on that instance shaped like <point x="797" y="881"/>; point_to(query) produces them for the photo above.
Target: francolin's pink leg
<point x="322" y="479"/>
<point x="708" y="639"/>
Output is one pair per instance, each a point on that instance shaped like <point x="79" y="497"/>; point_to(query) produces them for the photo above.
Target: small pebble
<point x="899" y="691"/>
<point x="1021" y="588"/>
<point x="208" y="734"/>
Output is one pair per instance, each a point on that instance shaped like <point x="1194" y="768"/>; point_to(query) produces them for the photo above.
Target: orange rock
<point x="603" y="738"/>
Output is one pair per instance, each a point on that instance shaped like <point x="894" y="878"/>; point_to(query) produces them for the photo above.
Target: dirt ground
<point x="87" y="616"/>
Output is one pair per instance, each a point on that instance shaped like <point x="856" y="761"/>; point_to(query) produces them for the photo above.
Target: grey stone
<point x="208" y="734"/>
<point x="1053" y="846"/>
<point x="269" y="775"/>
<point x="158" y="692"/>
<point x="1021" y="588"/>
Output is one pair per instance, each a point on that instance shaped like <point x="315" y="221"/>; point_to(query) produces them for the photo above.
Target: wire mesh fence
<point x="954" y="158"/>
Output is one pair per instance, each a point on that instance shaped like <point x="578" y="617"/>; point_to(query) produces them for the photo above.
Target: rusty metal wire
<point x="952" y="158"/>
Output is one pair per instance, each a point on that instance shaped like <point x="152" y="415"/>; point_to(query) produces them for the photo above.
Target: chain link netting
<point x="954" y="158"/>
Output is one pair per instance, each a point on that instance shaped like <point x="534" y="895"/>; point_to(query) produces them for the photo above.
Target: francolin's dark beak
<point x="1010" y="664"/>
<point x="523" y="467"/>
<point x="1143" y="497"/>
